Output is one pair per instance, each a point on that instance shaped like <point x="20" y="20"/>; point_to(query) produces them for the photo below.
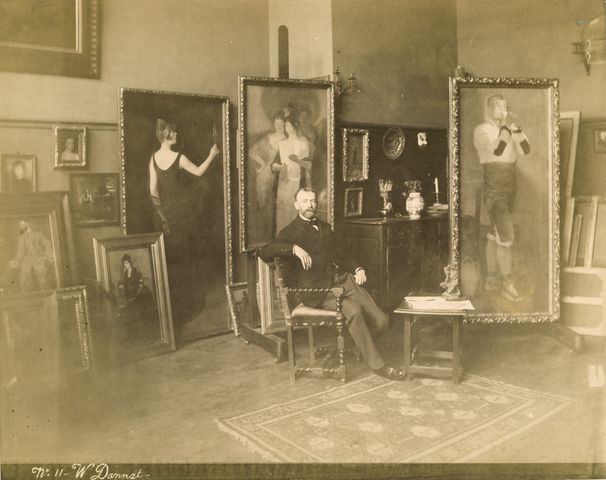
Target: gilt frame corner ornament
<point x="530" y="231"/>
<point x="262" y="103"/>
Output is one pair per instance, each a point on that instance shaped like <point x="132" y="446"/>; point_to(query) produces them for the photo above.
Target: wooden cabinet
<point x="399" y="255"/>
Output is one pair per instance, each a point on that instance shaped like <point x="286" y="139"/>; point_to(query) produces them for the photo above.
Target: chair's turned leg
<point x="341" y="351"/>
<point x="312" y="344"/>
<point x="291" y="353"/>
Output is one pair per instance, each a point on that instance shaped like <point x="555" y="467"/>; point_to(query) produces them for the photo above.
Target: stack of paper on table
<point x="438" y="303"/>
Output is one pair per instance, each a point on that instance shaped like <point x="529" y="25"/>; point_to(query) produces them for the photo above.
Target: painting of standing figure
<point x="286" y="142"/>
<point x="175" y="156"/>
<point x="132" y="272"/>
<point x="504" y="162"/>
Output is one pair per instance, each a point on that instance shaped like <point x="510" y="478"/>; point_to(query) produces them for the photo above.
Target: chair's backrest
<point x="283" y="277"/>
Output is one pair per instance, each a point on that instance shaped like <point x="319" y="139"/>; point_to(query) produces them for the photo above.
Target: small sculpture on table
<point x="450" y="285"/>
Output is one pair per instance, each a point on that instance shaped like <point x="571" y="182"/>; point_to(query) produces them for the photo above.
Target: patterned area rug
<point x="377" y="420"/>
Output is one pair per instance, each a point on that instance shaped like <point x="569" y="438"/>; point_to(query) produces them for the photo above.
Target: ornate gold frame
<point x="154" y="242"/>
<point x="76" y="298"/>
<point x="82" y="147"/>
<point x="365" y="153"/>
<point x="244" y="82"/>
<point x="81" y="60"/>
<point x="456" y="85"/>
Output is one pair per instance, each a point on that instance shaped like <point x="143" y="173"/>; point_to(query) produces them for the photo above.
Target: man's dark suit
<point x="329" y="266"/>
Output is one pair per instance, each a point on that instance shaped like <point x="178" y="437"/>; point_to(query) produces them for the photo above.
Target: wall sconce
<point x="593" y="42"/>
<point x="349" y="86"/>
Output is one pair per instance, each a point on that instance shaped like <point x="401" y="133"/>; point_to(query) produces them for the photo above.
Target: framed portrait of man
<point x="36" y="243"/>
<point x="70" y="146"/>
<point x="504" y="189"/>
<point x="18" y="173"/>
<point x="286" y="141"/>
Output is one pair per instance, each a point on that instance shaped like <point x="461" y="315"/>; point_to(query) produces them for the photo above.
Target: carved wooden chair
<point x="300" y="315"/>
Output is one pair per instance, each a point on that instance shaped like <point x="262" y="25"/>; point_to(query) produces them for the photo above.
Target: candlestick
<point x="435" y="182"/>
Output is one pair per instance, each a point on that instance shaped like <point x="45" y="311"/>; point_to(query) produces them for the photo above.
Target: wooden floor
<point x="163" y="409"/>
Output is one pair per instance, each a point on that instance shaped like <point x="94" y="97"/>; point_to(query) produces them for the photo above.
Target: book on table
<point x="437" y="303"/>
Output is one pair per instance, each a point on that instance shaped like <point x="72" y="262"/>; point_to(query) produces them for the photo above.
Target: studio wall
<point x="533" y="38"/>
<point x="198" y="46"/>
<point x="402" y="53"/>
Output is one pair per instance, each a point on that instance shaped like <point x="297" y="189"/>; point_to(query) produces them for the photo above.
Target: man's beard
<point x="309" y="214"/>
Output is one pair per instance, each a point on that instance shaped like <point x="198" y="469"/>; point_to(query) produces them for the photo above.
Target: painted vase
<point x="415" y="205"/>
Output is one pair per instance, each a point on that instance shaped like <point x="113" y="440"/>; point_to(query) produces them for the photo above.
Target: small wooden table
<point x="412" y="352"/>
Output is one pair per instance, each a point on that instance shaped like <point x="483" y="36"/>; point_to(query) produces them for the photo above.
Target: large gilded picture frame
<point x="191" y="203"/>
<point x="286" y="141"/>
<point x="504" y="196"/>
<point x="53" y="38"/>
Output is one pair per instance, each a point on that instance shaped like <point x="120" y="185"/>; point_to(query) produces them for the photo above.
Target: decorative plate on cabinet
<point x="393" y="142"/>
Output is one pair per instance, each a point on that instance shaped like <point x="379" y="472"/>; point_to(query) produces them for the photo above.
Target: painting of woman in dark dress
<point x="176" y="199"/>
<point x="176" y="166"/>
<point x="136" y="305"/>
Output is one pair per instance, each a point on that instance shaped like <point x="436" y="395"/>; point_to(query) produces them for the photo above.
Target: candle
<point x="435" y="182"/>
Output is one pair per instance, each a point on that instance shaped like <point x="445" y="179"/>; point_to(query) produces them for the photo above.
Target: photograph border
<point x="84" y="61"/>
<point x="94" y="223"/>
<point x="82" y="146"/>
<point x="365" y="153"/>
<point x="455" y="115"/>
<point x="6" y="157"/>
<point x="353" y="190"/>
<point x="155" y="242"/>
<point x="244" y="82"/>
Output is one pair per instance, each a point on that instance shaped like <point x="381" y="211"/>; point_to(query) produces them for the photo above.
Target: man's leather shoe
<point x="391" y="373"/>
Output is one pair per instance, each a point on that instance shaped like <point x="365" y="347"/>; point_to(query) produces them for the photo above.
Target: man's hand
<point x="303" y="256"/>
<point x="360" y="276"/>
